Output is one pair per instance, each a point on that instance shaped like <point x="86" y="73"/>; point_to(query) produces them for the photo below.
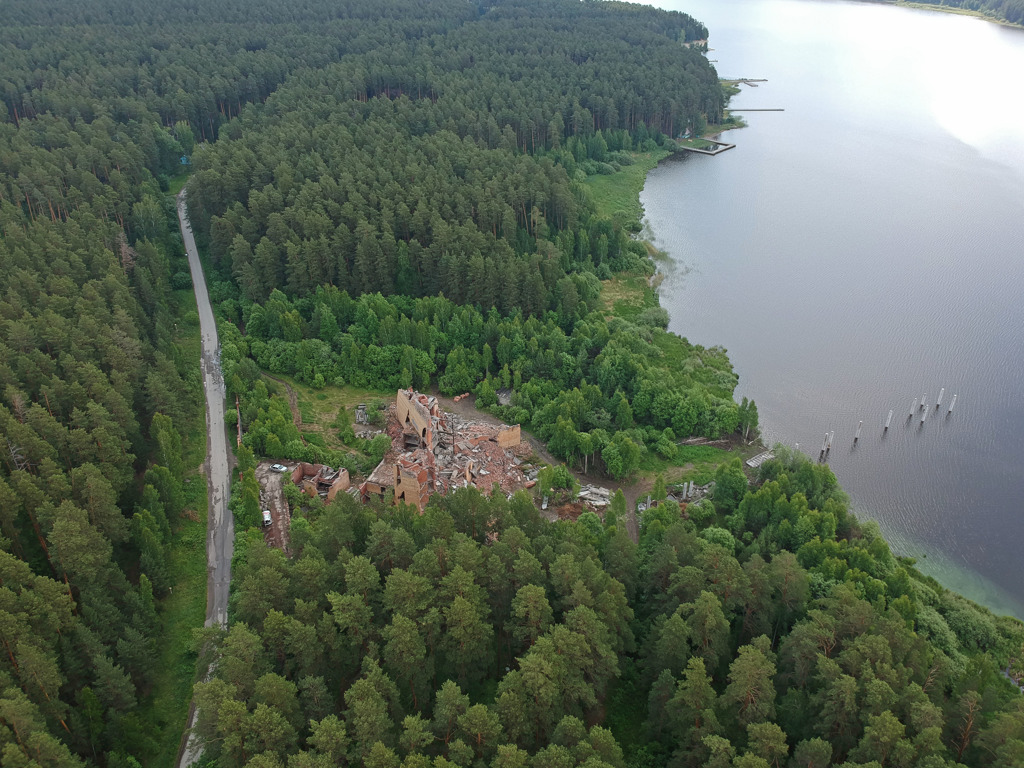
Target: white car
<point x="266" y="518"/>
<point x="279" y="467"/>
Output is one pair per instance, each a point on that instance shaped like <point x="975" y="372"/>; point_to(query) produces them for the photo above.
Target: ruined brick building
<point x="317" y="479"/>
<point x="437" y="452"/>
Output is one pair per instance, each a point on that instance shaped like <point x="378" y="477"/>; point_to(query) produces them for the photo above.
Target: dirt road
<point x="272" y="498"/>
<point x="220" y="529"/>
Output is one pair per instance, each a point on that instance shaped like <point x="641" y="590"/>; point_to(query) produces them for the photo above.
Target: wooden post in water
<point x="913" y="409"/>
<point x="951" y="404"/>
<point x="830" y="436"/>
<point x="888" y="420"/>
<point x="824" y="443"/>
<point x="939" y="401"/>
<point x="856" y="437"/>
<point x="924" y="397"/>
<point x="924" y="415"/>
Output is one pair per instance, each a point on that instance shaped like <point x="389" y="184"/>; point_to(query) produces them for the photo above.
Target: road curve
<point x="220" y="529"/>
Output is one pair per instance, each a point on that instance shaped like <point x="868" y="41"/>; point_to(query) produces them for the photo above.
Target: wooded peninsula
<point x="392" y="195"/>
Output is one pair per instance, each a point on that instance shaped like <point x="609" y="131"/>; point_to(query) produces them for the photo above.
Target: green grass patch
<point x="175" y="183"/>
<point x="731" y="121"/>
<point x="275" y="388"/>
<point x="186" y="324"/>
<point x="690" y="460"/>
<point x="675" y="351"/>
<point x="318" y="408"/>
<point x="627" y="296"/>
<point x="626" y="309"/>
<point x="315" y="438"/>
<point x="329" y="399"/>
<point x="697" y="143"/>
<point x="307" y="412"/>
<point x="183" y="610"/>
<point x="730" y="88"/>
<point x="618" y="194"/>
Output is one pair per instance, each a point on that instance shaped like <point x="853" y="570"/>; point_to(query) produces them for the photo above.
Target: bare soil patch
<point x="272" y="498"/>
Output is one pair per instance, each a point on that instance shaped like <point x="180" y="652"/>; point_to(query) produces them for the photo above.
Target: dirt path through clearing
<point x="293" y="399"/>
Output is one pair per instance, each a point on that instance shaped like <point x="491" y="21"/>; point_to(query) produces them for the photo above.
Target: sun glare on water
<point x="975" y="97"/>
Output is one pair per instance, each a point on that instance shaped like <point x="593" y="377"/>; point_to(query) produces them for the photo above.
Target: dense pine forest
<point x="392" y="193"/>
<point x="773" y="631"/>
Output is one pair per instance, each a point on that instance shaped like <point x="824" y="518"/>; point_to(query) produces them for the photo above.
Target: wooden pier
<point x="775" y="109"/>
<point x="760" y="459"/>
<point x="720" y="147"/>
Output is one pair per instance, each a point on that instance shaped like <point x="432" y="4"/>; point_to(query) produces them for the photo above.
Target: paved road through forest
<point x="220" y="529"/>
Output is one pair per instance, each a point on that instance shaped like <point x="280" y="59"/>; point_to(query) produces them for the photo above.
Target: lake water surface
<point x="864" y="248"/>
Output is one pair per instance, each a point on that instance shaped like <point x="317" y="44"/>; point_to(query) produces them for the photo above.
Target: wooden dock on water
<point x="760" y="459"/>
<point x="751" y="81"/>
<point x="720" y="147"/>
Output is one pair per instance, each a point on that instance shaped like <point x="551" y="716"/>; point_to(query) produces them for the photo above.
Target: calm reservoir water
<point x="863" y="248"/>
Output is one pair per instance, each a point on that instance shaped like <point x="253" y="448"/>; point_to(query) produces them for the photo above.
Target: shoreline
<point x="928" y="563"/>
<point x="655" y="255"/>
<point x="958" y="12"/>
<point x="644" y="233"/>
<point x="947" y="9"/>
<point x="935" y="568"/>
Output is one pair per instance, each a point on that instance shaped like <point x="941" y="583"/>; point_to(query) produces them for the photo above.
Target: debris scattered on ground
<point x="595" y="496"/>
<point x="320" y="480"/>
<point x="272" y="498"/>
<point x="704" y="441"/>
<point x="437" y="452"/>
<point x="314" y="480"/>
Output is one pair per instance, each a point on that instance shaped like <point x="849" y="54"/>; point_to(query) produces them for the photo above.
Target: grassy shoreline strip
<point x="618" y="194"/>
<point x="956" y="11"/>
